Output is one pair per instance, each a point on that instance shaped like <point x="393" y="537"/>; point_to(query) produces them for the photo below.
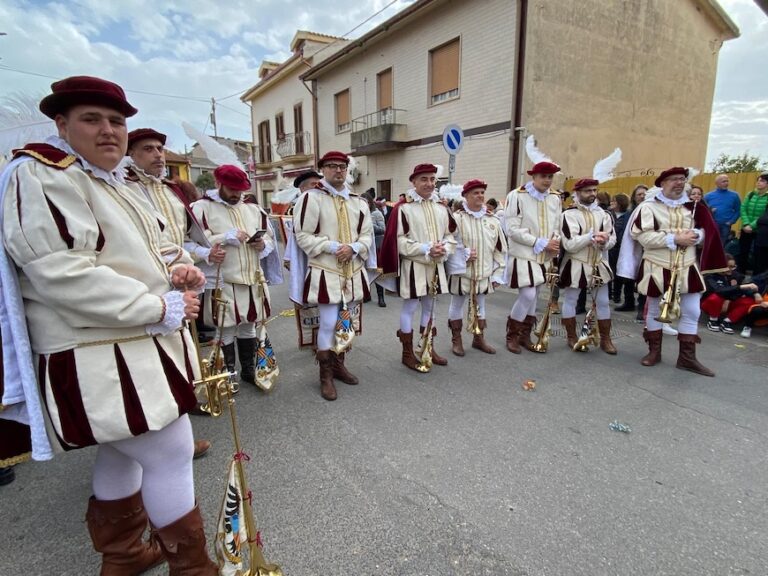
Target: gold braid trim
<point x="26" y="457"/>
<point x="345" y="234"/>
<point x="65" y="162"/>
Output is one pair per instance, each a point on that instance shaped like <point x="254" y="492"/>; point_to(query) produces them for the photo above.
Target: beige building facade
<point x="282" y="114"/>
<point x="583" y="77"/>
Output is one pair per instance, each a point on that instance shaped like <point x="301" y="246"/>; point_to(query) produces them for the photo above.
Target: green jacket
<point x="753" y="207"/>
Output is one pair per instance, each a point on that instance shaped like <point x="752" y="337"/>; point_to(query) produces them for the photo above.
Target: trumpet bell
<point x="539" y="348"/>
<point x="423" y="368"/>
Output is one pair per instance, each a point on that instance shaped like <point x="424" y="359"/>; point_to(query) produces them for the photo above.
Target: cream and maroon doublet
<point x="241" y="271"/>
<point x="652" y="225"/>
<point x="529" y="217"/>
<point x="482" y="233"/>
<point x="421" y="223"/>
<point x="577" y="226"/>
<point x="93" y="268"/>
<point x="321" y="218"/>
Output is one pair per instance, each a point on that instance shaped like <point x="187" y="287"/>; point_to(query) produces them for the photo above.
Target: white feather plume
<point x="534" y="154"/>
<point x="693" y="172"/>
<point x="450" y="191"/>
<point x="352" y="171"/>
<point x="603" y="170"/>
<point x="22" y="122"/>
<point x="440" y="171"/>
<point x="286" y="196"/>
<point x="215" y="152"/>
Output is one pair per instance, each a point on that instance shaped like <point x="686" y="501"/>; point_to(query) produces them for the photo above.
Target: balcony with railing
<point x="295" y="147"/>
<point x="380" y="131"/>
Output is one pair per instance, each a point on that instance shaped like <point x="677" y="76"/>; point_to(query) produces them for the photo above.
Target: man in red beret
<point x="532" y="218"/>
<point x="105" y="297"/>
<point x="670" y="231"/>
<point x="482" y="252"/>
<point x="332" y="228"/>
<point x="251" y="263"/>
<point x="418" y="240"/>
<point x="587" y="234"/>
<point x="146" y="174"/>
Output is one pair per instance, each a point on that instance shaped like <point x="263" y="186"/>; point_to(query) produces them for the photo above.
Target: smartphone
<point x="258" y="234"/>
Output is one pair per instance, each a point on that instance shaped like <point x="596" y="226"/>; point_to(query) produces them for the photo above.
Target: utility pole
<point x="213" y="117"/>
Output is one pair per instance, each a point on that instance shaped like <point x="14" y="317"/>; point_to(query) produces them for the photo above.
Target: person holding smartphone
<point x="251" y="263"/>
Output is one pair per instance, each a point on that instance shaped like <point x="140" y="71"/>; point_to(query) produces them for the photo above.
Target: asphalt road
<point x="461" y="471"/>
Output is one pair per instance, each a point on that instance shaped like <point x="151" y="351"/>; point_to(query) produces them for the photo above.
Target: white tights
<point x="329" y="314"/>
<point x="159" y="463"/>
<point x="242" y="331"/>
<point x="689" y="313"/>
<point x="456" y="310"/>
<point x="602" y="300"/>
<point x="525" y="305"/>
<point x="409" y="307"/>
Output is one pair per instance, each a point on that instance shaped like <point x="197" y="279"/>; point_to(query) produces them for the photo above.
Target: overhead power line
<point x="371" y="17"/>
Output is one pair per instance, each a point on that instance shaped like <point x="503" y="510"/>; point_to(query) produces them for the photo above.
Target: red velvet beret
<point x="472" y="184"/>
<point x="79" y="90"/>
<point x="232" y="177"/>
<point x="544" y="168"/>
<point x="671" y="172"/>
<point x="333" y="156"/>
<point x="585" y="183"/>
<point x="422" y="169"/>
<point x="144" y="134"/>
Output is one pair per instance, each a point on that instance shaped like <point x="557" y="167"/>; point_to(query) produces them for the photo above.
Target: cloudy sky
<point x="173" y="56"/>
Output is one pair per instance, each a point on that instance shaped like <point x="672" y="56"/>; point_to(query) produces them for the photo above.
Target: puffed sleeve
<point x="52" y="235"/>
<point x="306" y="221"/>
<point x="513" y="218"/>
<point x="646" y="229"/>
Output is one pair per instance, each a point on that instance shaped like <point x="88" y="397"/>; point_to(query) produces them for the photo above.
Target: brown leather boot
<point x="653" y="337"/>
<point x="409" y="358"/>
<point x="340" y="371"/>
<point x="570" y="331"/>
<point x="117" y="529"/>
<point x="479" y="343"/>
<point x="457" y="344"/>
<point x="327" y="388"/>
<point x="686" y="359"/>
<point x="201" y="447"/>
<point x="525" y="332"/>
<point x="183" y="544"/>
<point x="606" y="344"/>
<point x="513" y="336"/>
<point x="436" y="358"/>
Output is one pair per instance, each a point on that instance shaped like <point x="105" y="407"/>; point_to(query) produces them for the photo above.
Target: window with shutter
<point x="444" y="72"/>
<point x="342" y="111"/>
<point x="384" y="88"/>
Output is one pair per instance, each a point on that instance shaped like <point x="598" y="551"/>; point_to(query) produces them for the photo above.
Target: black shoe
<point x="382" y="304"/>
<point x="7" y="475"/>
<point x="626" y="307"/>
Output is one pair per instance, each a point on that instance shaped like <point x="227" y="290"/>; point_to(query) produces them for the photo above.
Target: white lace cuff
<point x="540" y="245"/>
<point x="670" y="240"/>
<point x="700" y="232"/>
<point x="230" y="237"/>
<point x="333" y="246"/>
<point x="173" y="315"/>
<point x="467" y="254"/>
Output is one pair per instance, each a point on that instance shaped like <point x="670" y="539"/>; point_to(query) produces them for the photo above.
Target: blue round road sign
<point x="453" y="139"/>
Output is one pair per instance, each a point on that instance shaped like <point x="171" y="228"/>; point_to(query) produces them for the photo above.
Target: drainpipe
<point x="517" y="130"/>
<point x="313" y="93"/>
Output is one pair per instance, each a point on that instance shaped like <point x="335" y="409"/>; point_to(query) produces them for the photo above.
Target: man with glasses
<point x="669" y="232"/>
<point x="332" y="228"/>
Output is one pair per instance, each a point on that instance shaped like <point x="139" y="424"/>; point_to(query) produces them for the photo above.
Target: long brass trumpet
<point x="590" y="334"/>
<point x="542" y="331"/>
<point x="473" y="318"/>
<point x="669" y="309"/>
<point x="220" y="387"/>
<point x="425" y="358"/>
